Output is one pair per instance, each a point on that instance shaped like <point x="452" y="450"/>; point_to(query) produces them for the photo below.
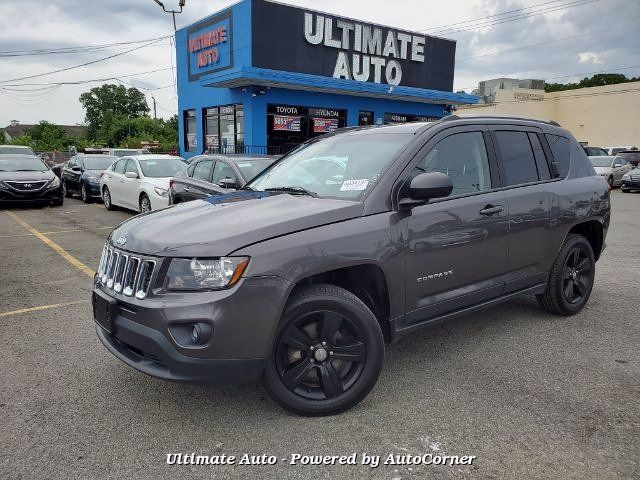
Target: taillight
<point x="171" y="183"/>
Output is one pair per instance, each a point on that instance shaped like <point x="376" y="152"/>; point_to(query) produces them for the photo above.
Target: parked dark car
<point x="631" y="156"/>
<point x="81" y="175"/>
<point x="215" y="175"/>
<point x="631" y="181"/>
<point x="353" y="239"/>
<point x="27" y="179"/>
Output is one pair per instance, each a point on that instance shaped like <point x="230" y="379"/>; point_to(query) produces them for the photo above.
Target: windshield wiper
<point x="292" y="190"/>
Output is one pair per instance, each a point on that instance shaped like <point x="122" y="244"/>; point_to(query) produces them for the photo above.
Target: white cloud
<point x="589" y="57"/>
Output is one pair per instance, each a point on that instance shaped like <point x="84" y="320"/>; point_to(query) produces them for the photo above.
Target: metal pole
<point x="154" y="107"/>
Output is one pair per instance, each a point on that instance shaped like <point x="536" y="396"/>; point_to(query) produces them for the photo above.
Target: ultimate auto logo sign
<point x="209" y="46"/>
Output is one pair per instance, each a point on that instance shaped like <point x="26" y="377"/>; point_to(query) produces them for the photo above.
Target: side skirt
<point x="398" y="332"/>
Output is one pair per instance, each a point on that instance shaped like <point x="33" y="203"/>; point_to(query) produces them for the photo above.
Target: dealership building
<point x="263" y="77"/>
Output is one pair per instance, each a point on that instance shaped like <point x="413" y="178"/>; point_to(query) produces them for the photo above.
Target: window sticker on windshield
<point x="351" y="185"/>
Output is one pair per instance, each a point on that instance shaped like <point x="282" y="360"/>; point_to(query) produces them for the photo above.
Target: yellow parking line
<point x="56" y="232"/>
<point x="42" y="307"/>
<point x="54" y="246"/>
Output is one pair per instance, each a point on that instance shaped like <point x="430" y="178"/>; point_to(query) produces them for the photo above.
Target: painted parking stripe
<point x="41" y="307"/>
<point x="57" y="232"/>
<point x="54" y="246"/>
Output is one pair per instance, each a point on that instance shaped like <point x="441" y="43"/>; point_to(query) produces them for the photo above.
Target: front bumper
<point x="44" y="195"/>
<point x="630" y="184"/>
<point x="93" y="189"/>
<point x="146" y="334"/>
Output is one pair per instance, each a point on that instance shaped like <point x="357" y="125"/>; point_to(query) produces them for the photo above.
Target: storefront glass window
<point x="224" y="129"/>
<point x="190" y="134"/>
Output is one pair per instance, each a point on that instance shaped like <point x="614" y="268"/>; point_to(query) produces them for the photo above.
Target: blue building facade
<point x="262" y="77"/>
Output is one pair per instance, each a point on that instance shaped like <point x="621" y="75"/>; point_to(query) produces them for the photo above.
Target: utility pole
<point x="172" y="12"/>
<point x="154" y="107"/>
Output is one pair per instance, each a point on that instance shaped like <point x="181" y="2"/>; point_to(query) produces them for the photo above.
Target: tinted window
<point x="560" y="150"/>
<point x="541" y="161"/>
<point x="119" y="166"/>
<point x="517" y="157"/>
<point x="222" y="170"/>
<point x="202" y="170"/>
<point x="463" y="157"/>
<point x="582" y="166"/>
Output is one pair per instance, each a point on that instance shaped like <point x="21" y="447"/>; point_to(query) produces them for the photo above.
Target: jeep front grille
<point x="125" y="273"/>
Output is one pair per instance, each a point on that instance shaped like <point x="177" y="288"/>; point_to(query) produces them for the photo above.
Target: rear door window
<point x="118" y="167"/>
<point x="541" y="161"/>
<point x="560" y="150"/>
<point x="517" y="156"/>
<point x="221" y="171"/>
<point x="202" y="171"/>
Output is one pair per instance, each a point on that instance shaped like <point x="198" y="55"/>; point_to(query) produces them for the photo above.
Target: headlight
<point x="626" y="176"/>
<point x="93" y="179"/>
<point x="160" y="191"/>
<point x="54" y="183"/>
<point x="204" y="274"/>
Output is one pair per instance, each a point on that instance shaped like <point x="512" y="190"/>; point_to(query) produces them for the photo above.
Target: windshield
<point x="601" y="161"/>
<point x="22" y="164"/>
<point x="162" y="167"/>
<point x="341" y="166"/>
<point x="15" y="150"/>
<point x="595" y="151"/>
<point x="630" y="155"/>
<point x="98" y="163"/>
<point x="251" y="168"/>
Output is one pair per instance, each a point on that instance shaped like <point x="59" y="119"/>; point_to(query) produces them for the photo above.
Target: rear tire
<point x="106" y="199"/>
<point x="570" y="279"/>
<point x="327" y="353"/>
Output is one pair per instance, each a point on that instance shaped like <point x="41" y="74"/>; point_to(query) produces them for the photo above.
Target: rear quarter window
<point x="561" y="153"/>
<point x="582" y="166"/>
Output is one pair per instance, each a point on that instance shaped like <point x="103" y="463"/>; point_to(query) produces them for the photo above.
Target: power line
<point x="79" y="82"/>
<point x="623" y="27"/>
<point x="80" y="65"/>
<point x="76" y="49"/>
<point x="473" y="20"/>
<point x="576" y="3"/>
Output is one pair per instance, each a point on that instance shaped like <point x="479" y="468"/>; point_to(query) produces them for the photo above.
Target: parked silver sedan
<point x="612" y="168"/>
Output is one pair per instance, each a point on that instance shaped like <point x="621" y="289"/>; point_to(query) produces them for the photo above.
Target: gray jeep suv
<point x="347" y="243"/>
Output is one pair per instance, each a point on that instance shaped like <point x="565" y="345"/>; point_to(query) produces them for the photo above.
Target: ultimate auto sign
<point x="297" y="40"/>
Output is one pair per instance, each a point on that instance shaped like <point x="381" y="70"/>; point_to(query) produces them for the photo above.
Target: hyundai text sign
<point x="298" y="40"/>
<point x="209" y="46"/>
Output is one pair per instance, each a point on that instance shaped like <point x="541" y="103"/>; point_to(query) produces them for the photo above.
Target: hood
<point x="27" y="176"/>
<point x="162" y="182"/>
<point x="602" y="170"/>
<point x="219" y="225"/>
<point x="94" y="173"/>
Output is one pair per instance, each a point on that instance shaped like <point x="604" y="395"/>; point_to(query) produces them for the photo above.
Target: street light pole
<point x="172" y="12"/>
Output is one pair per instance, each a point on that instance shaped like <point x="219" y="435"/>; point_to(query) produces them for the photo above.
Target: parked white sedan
<point x="139" y="182"/>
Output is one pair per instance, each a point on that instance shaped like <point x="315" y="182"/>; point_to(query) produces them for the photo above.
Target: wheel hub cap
<point x="320" y="354"/>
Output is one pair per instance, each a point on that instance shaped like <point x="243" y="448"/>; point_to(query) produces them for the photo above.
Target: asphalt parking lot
<point x="530" y="395"/>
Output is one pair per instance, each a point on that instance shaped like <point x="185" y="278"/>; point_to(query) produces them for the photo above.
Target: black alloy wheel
<point x="327" y="354"/>
<point x="576" y="275"/>
<point x="571" y="278"/>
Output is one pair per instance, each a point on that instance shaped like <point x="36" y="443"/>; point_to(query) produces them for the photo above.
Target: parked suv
<point x="301" y="277"/>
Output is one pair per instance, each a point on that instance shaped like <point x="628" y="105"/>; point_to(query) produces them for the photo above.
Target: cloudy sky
<point x="554" y="40"/>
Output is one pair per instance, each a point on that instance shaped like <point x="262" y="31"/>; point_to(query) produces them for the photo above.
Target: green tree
<point x="114" y="99"/>
<point x="597" y="80"/>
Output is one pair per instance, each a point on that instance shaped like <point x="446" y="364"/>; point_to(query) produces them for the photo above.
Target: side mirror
<point x="426" y="186"/>
<point x="131" y="174"/>
<point x="228" y="183"/>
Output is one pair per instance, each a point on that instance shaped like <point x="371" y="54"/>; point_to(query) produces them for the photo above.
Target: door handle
<point x="491" y="209"/>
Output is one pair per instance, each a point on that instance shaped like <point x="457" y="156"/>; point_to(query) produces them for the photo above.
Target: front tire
<point x="106" y="199"/>
<point x="571" y="278"/>
<point x="327" y="354"/>
<point x="84" y="194"/>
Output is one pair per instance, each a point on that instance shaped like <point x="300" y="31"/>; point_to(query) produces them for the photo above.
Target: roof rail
<point x="506" y="117"/>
